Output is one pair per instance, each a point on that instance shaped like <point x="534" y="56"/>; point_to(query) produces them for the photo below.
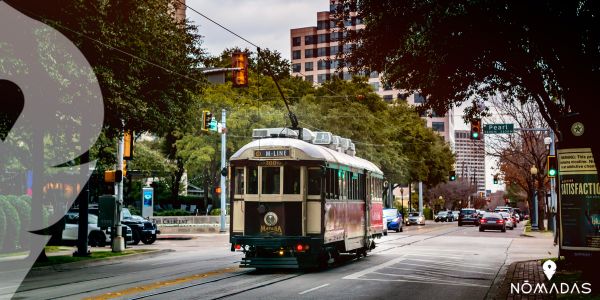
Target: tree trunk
<point x="177" y="180"/>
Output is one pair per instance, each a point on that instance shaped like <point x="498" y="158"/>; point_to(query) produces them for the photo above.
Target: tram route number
<point x="271" y="163"/>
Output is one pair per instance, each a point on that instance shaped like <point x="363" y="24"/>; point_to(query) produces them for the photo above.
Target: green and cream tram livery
<point x="300" y="203"/>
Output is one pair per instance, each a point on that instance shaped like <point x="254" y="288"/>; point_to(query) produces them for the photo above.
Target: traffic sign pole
<point x="223" y="165"/>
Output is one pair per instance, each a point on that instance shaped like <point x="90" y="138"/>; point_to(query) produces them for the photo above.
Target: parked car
<point x="455" y="214"/>
<point x="393" y="219"/>
<point x="385" y="229"/>
<point x="468" y="216"/>
<point x="450" y="216"/>
<point x="415" y="218"/>
<point x="508" y="220"/>
<point x="143" y="230"/>
<point x="492" y="221"/>
<point x="96" y="236"/>
<point x="441" y="216"/>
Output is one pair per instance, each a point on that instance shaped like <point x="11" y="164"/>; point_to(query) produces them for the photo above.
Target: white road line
<point x="375" y="268"/>
<point x="423" y="282"/>
<point x="458" y="264"/>
<point x="436" y="272"/>
<point x="429" y="279"/>
<point x="313" y="289"/>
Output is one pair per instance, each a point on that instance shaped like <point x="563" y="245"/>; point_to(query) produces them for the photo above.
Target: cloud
<point x="266" y="23"/>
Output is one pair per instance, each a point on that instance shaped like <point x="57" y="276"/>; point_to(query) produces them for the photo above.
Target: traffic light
<point x="476" y="129"/>
<point x="495" y="179"/>
<point x="240" y="76"/>
<point x="128" y="145"/>
<point x="552" y="166"/>
<point x="452" y="175"/>
<point x="206" y="119"/>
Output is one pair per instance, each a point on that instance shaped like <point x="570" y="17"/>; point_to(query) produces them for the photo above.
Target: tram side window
<point x="291" y="180"/>
<point x="239" y="181"/>
<point x="252" y="180"/>
<point x="271" y="180"/>
<point x="314" y="181"/>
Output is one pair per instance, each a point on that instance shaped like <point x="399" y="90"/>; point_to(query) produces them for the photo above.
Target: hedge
<point x="24" y="208"/>
<point x="13" y="225"/>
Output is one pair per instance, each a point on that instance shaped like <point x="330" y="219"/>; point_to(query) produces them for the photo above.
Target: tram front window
<point x="271" y="180"/>
<point x="253" y="180"/>
<point x="239" y="181"/>
<point x="291" y="180"/>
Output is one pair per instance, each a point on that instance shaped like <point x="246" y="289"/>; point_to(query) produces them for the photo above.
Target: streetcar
<point x="300" y="203"/>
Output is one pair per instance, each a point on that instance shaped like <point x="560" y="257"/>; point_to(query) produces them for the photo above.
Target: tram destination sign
<point x="498" y="128"/>
<point x="272" y="153"/>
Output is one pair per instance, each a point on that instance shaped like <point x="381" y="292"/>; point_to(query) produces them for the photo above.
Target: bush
<point x="215" y="212"/>
<point x="171" y="212"/>
<point x="2" y="225"/>
<point x="13" y="225"/>
<point x="134" y="210"/>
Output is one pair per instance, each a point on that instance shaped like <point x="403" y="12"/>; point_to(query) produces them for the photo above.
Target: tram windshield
<point x="271" y="180"/>
<point x="291" y="180"/>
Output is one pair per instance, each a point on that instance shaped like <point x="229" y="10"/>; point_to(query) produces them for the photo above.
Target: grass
<point x="63" y="259"/>
<point x="51" y="249"/>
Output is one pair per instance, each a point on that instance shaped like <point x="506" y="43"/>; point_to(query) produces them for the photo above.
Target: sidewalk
<point x="519" y="272"/>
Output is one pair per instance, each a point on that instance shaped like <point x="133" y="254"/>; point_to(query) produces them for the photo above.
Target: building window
<point x="419" y="98"/>
<point x="402" y="96"/>
<point x="374" y="74"/>
<point x="309" y="40"/>
<point x="374" y="86"/>
<point x="388" y="98"/>
<point x="322" y="78"/>
<point x="322" y="25"/>
<point x="296" y="68"/>
<point x="334" y="50"/>
<point x="308" y="66"/>
<point x="437" y="126"/>
<point x="323" y="65"/>
<point x="308" y="78"/>
<point x="347" y="76"/>
<point x="334" y="64"/>
<point x="323" y="52"/>
<point x="387" y="87"/>
<point x="323" y="38"/>
<point x="296" y="41"/>
<point x="308" y="53"/>
<point x="296" y="54"/>
<point x="335" y="36"/>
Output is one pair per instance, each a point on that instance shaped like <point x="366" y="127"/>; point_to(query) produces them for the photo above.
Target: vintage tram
<point x="299" y="203"/>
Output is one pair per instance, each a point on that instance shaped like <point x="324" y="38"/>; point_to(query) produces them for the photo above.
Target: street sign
<point x="498" y="128"/>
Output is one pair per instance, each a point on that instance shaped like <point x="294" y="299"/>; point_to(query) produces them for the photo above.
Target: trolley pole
<point x="223" y="163"/>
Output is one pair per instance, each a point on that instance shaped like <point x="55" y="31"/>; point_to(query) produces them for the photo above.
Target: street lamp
<point x="534" y="215"/>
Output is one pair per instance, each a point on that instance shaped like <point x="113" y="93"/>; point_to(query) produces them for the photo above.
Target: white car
<point x="415" y="218"/>
<point x="96" y="236"/>
<point x="508" y="220"/>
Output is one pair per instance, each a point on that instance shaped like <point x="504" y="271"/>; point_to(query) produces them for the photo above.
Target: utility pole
<point x="118" y="244"/>
<point x="223" y="166"/>
<point x="420" y="197"/>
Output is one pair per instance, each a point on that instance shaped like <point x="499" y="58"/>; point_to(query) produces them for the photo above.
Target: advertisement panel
<point x="579" y="208"/>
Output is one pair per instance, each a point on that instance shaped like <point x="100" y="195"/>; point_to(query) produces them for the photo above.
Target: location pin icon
<point x="12" y="101"/>
<point x="549" y="269"/>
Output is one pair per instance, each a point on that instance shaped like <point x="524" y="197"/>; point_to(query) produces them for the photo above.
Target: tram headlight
<point x="247" y="247"/>
<point x="281" y="252"/>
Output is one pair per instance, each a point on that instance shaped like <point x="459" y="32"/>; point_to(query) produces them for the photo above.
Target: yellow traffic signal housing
<point x="128" y="145"/>
<point x="476" y="129"/>
<point x="109" y="176"/>
<point x="240" y="76"/>
<point x="206" y="118"/>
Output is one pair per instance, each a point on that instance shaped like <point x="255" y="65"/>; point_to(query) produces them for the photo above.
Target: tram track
<point x="278" y="277"/>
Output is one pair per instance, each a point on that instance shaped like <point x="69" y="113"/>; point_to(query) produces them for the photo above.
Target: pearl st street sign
<point x="498" y="128"/>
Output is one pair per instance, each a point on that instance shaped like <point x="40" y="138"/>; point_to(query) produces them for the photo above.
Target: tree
<point x="542" y="52"/>
<point x="455" y="194"/>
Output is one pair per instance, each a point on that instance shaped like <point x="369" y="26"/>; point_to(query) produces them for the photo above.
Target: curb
<point x="175" y="237"/>
<point x="100" y="262"/>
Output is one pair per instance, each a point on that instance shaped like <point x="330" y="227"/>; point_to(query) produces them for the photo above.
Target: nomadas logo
<point x="556" y="288"/>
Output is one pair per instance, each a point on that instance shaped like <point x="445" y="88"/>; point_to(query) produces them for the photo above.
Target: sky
<point x="266" y="23"/>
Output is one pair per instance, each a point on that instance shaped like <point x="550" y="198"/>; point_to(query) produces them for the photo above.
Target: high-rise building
<point x="470" y="158"/>
<point x="313" y="56"/>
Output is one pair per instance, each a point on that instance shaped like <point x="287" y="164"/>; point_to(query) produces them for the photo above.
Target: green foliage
<point x="215" y="212"/>
<point x="2" y="225"/>
<point x="13" y="225"/>
<point x="23" y="207"/>
<point x="428" y="213"/>
<point x="134" y="210"/>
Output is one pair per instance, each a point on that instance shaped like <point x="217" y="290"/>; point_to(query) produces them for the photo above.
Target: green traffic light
<point x="552" y="172"/>
<point x="475" y="135"/>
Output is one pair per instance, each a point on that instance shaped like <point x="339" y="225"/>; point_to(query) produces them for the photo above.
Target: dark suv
<point x="468" y="216"/>
<point x="142" y="229"/>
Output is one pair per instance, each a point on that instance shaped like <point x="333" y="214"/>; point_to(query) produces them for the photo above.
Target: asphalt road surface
<point x="435" y="261"/>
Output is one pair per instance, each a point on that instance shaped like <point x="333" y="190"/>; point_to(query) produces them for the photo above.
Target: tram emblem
<point x="271" y="219"/>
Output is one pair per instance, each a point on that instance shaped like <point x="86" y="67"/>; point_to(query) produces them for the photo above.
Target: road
<point x="425" y="262"/>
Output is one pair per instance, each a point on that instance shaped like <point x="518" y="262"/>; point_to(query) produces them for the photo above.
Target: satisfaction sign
<point x="579" y="200"/>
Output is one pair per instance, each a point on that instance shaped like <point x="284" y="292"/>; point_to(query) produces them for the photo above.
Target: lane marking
<point x="161" y="284"/>
<point x="429" y="279"/>
<point x="436" y="272"/>
<point x="375" y="268"/>
<point x="423" y="282"/>
<point x="458" y="264"/>
<point x="313" y="289"/>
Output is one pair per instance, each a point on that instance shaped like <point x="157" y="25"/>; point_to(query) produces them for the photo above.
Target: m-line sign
<point x="498" y="128"/>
